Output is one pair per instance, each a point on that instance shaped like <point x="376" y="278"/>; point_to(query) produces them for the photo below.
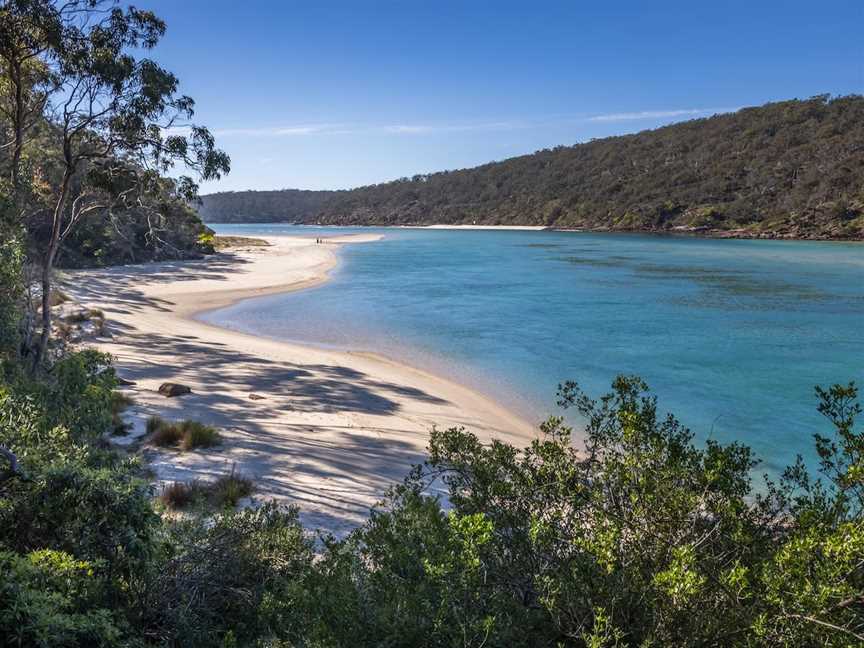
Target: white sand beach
<point x="326" y="430"/>
<point x="530" y="228"/>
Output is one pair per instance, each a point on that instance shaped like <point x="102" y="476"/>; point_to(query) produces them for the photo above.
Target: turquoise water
<point x="732" y="335"/>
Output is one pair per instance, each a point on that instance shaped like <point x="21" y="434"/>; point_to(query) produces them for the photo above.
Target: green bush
<point x="47" y="598"/>
<point x="239" y="577"/>
<point x="11" y="292"/>
<point x="639" y="539"/>
<point x="119" y="403"/>
<point x="79" y="392"/>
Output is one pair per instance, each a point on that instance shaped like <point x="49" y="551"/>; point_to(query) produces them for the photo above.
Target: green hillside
<point x="789" y="169"/>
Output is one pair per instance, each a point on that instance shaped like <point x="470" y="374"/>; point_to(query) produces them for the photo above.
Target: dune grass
<point x="86" y="315"/>
<point x="187" y="435"/>
<point x="57" y="297"/>
<point x="225" y="492"/>
<point x="230" y="489"/>
<point x="180" y="495"/>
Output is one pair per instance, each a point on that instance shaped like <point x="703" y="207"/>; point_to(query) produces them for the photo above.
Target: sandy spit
<point x="326" y="430"/>
<point x="532" y="228"/>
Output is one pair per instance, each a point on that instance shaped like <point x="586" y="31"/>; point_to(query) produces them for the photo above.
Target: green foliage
<point x="136" y="235"/>
<point x="47" y="598"/>
<point x="791" y="168"/>
<point x="11" y="277"/>
<point x="119" y="403"/>
<point x="198" y="435"/>
<point x="814" y="589"/>
<point x="240" y="578"/>
<point x="97" y="513"/>
<point x="58" y="416"/>
<point x="639" y="538"/>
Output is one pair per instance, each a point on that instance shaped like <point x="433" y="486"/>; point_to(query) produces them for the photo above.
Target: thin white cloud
<point x="354" y="129"/>
<point x="657" y="114"/>
<point x="408" y="129"/>
<point x="277" y="131"/>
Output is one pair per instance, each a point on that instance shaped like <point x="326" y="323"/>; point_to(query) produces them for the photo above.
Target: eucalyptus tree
<point x="114" y="116"/>
<point x="28" y="28"/>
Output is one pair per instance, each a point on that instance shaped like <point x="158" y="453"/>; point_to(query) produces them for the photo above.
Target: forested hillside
<point x="285" y="206"/>
<point x="794" y="169"/>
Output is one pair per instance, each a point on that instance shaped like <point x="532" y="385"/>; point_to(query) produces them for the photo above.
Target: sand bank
<point x="326" y="430"/>
<point x="532" y="228"/>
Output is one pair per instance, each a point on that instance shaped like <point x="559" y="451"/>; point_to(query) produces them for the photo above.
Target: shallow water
<point x="732" y="335"/>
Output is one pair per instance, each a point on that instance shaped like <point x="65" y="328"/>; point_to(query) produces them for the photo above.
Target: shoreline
<point x="697" y="233"/>
<point x="327" y="430"/>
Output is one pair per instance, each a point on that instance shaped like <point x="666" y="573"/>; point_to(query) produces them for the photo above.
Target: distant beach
<point x="528" y="228"/>
<point x="326" y="430"/>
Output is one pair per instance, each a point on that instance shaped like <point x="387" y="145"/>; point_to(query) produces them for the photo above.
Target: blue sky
<point x="320" y="95"/>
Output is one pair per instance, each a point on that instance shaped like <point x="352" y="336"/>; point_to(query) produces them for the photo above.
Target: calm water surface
<point x="732" y="335"/>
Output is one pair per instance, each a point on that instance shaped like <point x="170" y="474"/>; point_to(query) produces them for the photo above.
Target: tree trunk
<point x="18" y="126"/>
<point x="14" y="466"/>
<point x="48" y="266"/>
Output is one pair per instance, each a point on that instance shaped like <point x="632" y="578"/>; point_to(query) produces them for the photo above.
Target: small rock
<point x="256" y="397"/>
<point x="125" y="383"/>
<point x="173" y="389"/>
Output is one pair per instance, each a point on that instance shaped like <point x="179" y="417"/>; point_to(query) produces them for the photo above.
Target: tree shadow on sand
<point x="120" y="282"/>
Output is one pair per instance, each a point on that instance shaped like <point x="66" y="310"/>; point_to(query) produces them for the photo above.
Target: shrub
<point x="642" y="538"/>
<point x="119" y="403"/>
<point x="80" y="394"/>
<point x="241" y="575"/>
<point x="49" y="598"/>
<point x="11" y="285"/>
<point x="223" y="493"/>
<point x="95" y="513"/>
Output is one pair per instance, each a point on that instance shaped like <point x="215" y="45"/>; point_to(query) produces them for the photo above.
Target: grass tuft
<point x="230" y="489"/>
<point x="188" y="435"/>
<point x="198" y="435"/>
<point x="179" y="495"/>
<point x="225" y="492"/>
<point x="154" y="423"/>
<point x="58" y="297"/>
